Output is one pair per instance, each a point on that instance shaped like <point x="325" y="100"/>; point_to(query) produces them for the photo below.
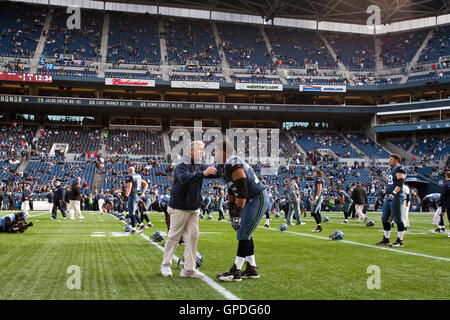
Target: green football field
<point x="92" y="259"/>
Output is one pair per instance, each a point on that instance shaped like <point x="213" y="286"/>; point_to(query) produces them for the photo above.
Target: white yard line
<point x="213" y="284"/>
<point x="363" y="245"/>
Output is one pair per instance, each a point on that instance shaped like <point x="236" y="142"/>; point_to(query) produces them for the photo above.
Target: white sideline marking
<point x="366" y="245"/>
<point x="213" y="284"/>
<point x="360" y="244"/>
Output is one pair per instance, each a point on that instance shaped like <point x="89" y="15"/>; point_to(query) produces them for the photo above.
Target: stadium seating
<point x="334" y="142"/>
<point x="244" y="47"/>
<point x="133" y="39"/>
<point x="296" y="48"/>
<point x="134" y="142"/>
<point x="191" y="40"/>
<point x="368" y="146"/>
<point x="357" y="52"/>
<point x="80" y="139"/>
<point x="399" y="48"/>
<point x="83" y="44"/>
<point x="15" y="138"/>
<point x="432" y="148"/>
<point x="437" y="46"/>
<point x="20" y="29"/>
<point x="404" y="144"/>
<point x="45" y="172"/>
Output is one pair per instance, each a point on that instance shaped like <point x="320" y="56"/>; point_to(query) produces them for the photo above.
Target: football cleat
<point x="250" y="272"/>
<point x="438" y="230"/>
<point x="384" y="242"/>
<point x="337" y="235"/>
<point x="266" y="226"/>
<point x="234" y="275"/>
<point x="397" y="244"/>
<point x="345" y="221"/>
<point x="318" y="229"/>
<point x="300" y="224"/>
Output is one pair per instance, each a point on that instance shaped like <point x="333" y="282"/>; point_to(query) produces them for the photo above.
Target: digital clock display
<point x="25" y="77"/>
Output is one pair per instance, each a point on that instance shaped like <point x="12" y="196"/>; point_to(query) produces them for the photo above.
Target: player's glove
<point x="390" y="197"/>
<point x="235" y="215"/>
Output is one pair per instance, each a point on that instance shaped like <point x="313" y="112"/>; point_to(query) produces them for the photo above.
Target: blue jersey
<point x="164" y="202"/>
<point x="136" y="181"/>
<point x="392" y="179"/>
<point x="316" y="188"/>
<point x="346" y="196"/>
<point x="254" y="186"/>
<point x="434" y="198"/>
<point x="12" y="216"/>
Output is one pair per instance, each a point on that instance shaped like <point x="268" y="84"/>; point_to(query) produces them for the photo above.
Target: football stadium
<point x="225" y="150"/>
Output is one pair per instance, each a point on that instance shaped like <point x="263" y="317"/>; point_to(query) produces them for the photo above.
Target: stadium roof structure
<point x="343" y="11"/>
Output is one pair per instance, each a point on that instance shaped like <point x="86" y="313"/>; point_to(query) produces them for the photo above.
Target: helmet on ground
<point x="158" y="236"/>
<point x="337" y="235"/>
<point x="283" y="227"/>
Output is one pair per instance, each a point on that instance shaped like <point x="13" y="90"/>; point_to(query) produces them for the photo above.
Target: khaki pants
<point x="100" y="205"/>
<point x="359" y="211"/>
<point x="74" y="205"/>
<point x="182" y="222"/>
<point x="50" y="207"/>
<point x="405" y="214"/>
<point x="25" y="207"/>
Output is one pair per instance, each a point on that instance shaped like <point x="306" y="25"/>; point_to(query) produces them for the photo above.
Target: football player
<point x="220" y="194"/>
<point x="134" y="183"/>
<point x="160" y="205"/>
<point x="317" y="199"/>
<point x="144" y="205"/>
<point x="346" y="202"/>
<point x="248" y="201"/>
<point x="432" y="201"/>
<point x="393" y="202"/>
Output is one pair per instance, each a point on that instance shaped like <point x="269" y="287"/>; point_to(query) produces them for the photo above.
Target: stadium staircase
<point x="282" y="73"/>
<point x="41" y="43"/>
<point x="342" y="67"/>
<point x="417" y="55"/>
<point x="394" y="149"/>
<point x="223" y="58"/>
<point x="379" y="55"/>
<point x="297" y="146"/>
<point x="163" y="48"/>
<point x="366" y="157"/>
<point x="104" y="46"/>
<point x="166" y="141"/>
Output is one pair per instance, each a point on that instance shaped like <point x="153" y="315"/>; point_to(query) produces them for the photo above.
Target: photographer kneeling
<point x="14" y="222"/>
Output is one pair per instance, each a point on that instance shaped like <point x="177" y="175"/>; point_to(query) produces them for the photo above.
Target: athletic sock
<point x="387" y="234"/>
<point x="251" y="260"/>
<point x="239" y="262"/>
<point x="400" y="235"/>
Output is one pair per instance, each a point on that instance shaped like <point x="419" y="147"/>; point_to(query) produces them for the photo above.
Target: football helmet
<point x="158" y="236"/>
<point x="198" y="262"/>
<point x="283" y="227"/>
<point x="325" y="219"/>
<point x="337" y="235"/>
<point x="370" y="223"/>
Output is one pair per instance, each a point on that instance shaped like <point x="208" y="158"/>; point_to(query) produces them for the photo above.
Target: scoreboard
<point x="26" y="77"/>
